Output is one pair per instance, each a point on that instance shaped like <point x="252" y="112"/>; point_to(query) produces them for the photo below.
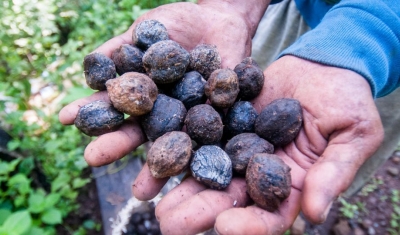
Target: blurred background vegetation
<point x="42" y="46"/>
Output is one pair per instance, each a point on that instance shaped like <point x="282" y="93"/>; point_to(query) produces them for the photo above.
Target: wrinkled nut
<point x="204" y="58"/>
<point x="268" y="180"/>
<point x="222" y="88"/>
<point x="212" y="166"/>
<point x="190" y="90"/>
<point x="168" y="114"/>
<point x="170" y="154"/>
<point x="204" y="124"/>
<point x="243" y="146"/>
<point x="148" y="32"/>
<point x="240" y="118"/>
<point x="166" y="62"/>
<point x="98" y="69"/>
<point x="251" y="79"/>
<point x="97" y="118"/>
<point x="132" y="93"/>
<point x="128" y="58"/>
<point x="280" y="121"/>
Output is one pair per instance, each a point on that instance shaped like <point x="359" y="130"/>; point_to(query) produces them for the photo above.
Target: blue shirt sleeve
<point x="362" y="36"/>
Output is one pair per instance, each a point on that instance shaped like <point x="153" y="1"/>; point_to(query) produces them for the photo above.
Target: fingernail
<point x="326" y="212"/>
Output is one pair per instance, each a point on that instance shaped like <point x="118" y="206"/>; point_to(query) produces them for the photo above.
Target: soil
<point x="372" y="216"/>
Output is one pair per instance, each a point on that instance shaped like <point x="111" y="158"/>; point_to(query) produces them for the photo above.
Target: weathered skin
<point x="280" y="121"/>
<point x="170" y="154"/>
<point x="222" y="88"/>
<point x="204" y="124"/>
<point x="268" y="180"/>
<point x="148" y="32"/>
<point x="212" y="166"/>
<point x="240" y="118"/>
<point x="97" y="118"/>
<point x="190" y="90"/>
<point x="128" y="58"/>
<point x="204" y="58"/>
<point x="166" y="61"/>
<point x="243" y="146"/>
<point x="168" y="114"/>
<point x="98" y="69"/>
<point x="251" y="79"/>
<point x="132" y="93"/>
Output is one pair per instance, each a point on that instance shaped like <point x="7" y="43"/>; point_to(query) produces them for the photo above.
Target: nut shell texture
<point x="222" y="88"/>
<point x="132" y="93"/>
<point x="268" y="180"/>
<point x="170" y="154"/>
<point x="148" y="32"/>
<point x="97" y="118"/>
<point x="128" y="58"/>
<point x="204" y="124"/>
<point x="190" y="90"/>
<point x="240" y="118"/>
<point x="280" y="121"/>
<point x="243" y="146"/>
<point x="168" y="114"/>
<point x="166" y="61"/>
<point x="204" y="58"/>
<point x="251" y="79"/>
<point x="212" y="166"/>
<point x="98" y="69"/>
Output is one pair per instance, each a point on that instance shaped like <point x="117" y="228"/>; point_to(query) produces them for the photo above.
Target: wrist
<point x="251" y="11"/>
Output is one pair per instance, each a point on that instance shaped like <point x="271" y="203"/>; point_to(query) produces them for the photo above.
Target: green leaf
<point x="52" y="216"/>
<point x="18" y="222"/>
<point x="13" y="144"/>
<point x="35" y="231"/>
<point x="4" y="215"/>
<point x="62" y="179"/>
<point x="51" y="200"/>
<point x="36" y="203"/>
<point x="79" y="182"/>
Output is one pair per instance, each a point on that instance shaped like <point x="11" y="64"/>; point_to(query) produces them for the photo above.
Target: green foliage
<point x="348" y="210"/>
<point x="42" y="46"/>
<point x="395" y="216"/>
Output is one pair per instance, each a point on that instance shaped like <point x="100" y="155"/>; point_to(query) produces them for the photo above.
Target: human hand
<point x="341" y="129"/>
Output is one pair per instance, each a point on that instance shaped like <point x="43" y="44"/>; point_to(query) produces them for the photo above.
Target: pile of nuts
<point x="167" y="88"/>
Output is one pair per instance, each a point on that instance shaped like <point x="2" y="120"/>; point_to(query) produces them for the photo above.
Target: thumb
<point x="335" y="170"/>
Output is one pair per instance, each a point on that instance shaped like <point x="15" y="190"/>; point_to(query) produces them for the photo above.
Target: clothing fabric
<point x="281" y="26"/>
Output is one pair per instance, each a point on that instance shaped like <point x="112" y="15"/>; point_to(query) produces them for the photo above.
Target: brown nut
<point x="170" y="154"/>
<point x="132" y="93"/>
<point x="222" y="88"/>
<point x="251" y="79"/>
<point x="204" y="58"/>
<point x="98" y="69"/>
<point x="148" y="32"/>
<point x="128" y="58"/>
<point x="268" y="180"/>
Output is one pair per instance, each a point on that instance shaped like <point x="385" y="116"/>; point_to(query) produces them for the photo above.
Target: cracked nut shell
<point x="268" y="180"/>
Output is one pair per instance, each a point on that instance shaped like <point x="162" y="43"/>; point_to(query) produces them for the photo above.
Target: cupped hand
<point x="341" y="129"/>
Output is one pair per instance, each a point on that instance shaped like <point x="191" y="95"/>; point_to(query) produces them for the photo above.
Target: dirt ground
<point x="369" y="212"/>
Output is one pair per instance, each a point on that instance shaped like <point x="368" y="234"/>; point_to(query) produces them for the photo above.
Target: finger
<point x="68" y="114"/>
<point x="112" y="146"/>
<point x="198" y="213"/>
<point x="333" y="173"/>
<point x="146" y="187"/>
<point x="188" y="188"/>
<point x="254" y="220"/>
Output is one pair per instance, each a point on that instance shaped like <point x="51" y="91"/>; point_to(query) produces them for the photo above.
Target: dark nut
<point x="166" y="61"/>
<point x="222" y="88"/>
<point x="132" y="93"/>
<point x="212" y="166"/>
<point x="251" y="79"/>
<point x="242" y="147"/>
<point x="98" y="118"/>
<point x="148" y="32"/>
<point x="190" y="90"/>
<point x="204" y="58"/>
<point x="204" y="124"/>
<point x="128" y="58"/>
<point x="240" y="118"/>
<point x="168" y="114"/>
<point x="98" y="69"/>
<point x="268" y="180"/>
<point x="170" y="154"/>
<point x="280" y="121"/>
